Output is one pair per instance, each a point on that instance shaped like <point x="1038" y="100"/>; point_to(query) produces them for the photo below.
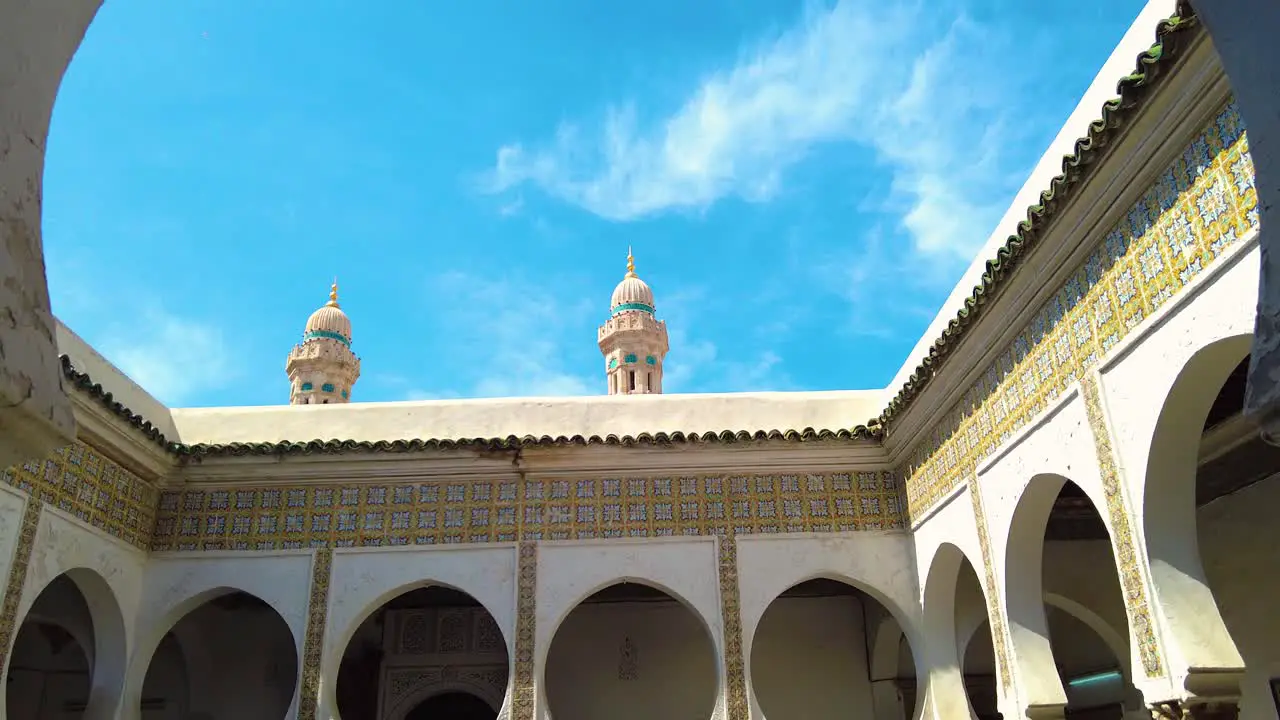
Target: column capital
<point x="1194" y="709"/>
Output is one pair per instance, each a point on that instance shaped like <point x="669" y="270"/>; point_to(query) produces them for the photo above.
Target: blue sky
<point x="802" y="182"/>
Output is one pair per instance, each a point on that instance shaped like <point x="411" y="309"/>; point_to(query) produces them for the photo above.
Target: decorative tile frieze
<point x="82" y="482"/>
<point x="431" y="512"/>
<point x="18" y="577"/>
<point x="313" y="642"/>
<point x="524" y="694"/>
<point x="735" y="666"/>
<point x="995" y="608"/>
<point x="1200" y="206"/>
<point x="1128" y="556"/>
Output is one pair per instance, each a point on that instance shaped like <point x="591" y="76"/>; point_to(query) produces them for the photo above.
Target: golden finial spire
<point x="333" y="293"/>
<point x="631" y="263"/>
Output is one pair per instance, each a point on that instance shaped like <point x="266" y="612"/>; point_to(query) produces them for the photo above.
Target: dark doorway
<point x="453" y="706"/>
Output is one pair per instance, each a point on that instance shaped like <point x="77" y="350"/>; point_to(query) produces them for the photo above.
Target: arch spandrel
<point x="684" y="568"/>
<point x="177" y="584"/>
<point x="1217" y="311"/>
<point x="362" y="581"/>
<point x="879" y="564"/>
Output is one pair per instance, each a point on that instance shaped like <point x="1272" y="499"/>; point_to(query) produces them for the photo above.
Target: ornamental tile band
<point x="1127" y="554"/>
<point x="735" y="665"/>
<point x="18" y="577"/>
<point x="1200" y="206"/>
<point x="525" y="692"/>
<point x="431" y="512"/>
<point x="78" y="480"/>
<point x="313" y="643"/>
<point x="995" y="609"/>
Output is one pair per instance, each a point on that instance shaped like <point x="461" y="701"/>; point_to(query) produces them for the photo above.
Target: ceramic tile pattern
<point x="430" y="512"/>
<point x="78" y="480"/>
<point x="313" y="642"/>
<point x="1128" y="556"/>
<point x="18" y="577"/>
<point x="1198" y="207"/>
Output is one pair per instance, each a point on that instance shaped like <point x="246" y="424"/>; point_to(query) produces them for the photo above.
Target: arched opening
<point x="51" y="664"/>
<point x="68" y="656"/>
<point x="960" y="653"/>
<point x="231" y="656"/>
<point x="429" y="652"/>
<point x="1059" y="545"/>
<point x="453" y="706"/>
<point x="1211" y="487"/>
<point x="631" y="651"/>
<point x="824" y="648"/>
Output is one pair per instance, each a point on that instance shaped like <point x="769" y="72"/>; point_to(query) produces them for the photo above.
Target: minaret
<point x="633" y="341"/>
<point x="322" y="368"/>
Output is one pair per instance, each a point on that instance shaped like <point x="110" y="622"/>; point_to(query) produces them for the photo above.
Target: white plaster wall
<point x="177" y="584"/>
<point x="676" y="664"/>
<point x="809" y="660"/>
<point x="879" y="564"/>
<point x="569" y="572"/>
<point x="1239" y="538"/>
<point x="363" y="579"/>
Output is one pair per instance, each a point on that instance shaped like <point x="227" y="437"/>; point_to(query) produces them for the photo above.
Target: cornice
<point x="561" y="462"/>
<point x="1152" y="140"/>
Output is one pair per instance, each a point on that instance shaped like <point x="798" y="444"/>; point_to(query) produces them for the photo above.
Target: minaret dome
<point x="633" y="340"/>
<point x="322" y="368"/>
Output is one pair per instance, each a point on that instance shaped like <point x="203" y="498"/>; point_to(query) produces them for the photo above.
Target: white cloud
<point x="512" y="333"/>
<point x="172" y="358"/>
<point x="923" y="97"/>
<point x="699" y="366"/>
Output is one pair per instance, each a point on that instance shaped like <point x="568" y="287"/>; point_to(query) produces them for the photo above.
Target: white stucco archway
<point x="1191" y="615"/>
<point x="104" y="642"/>
<point x="686" y="641"/>
<point x="884" y="633"/>
<point x="944" y="641"/>
<point x="397" y="707"/>
<point x="201" y="660"/>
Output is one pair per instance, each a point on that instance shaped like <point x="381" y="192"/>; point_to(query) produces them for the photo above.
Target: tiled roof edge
<point x="85" y="384"/>
<point x="1152" y="63"/>
<point x="513" y="442"/>
<point x="82" y="382"/>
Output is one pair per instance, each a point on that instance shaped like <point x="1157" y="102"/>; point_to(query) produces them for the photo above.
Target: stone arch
<point x="886" y="627"/>
<point x="630" y="580"/>
<point x="343" y="635"/>
<point x="942" y="652"/>
<point x="496" y="697"/>
<point x="549" y="668"/>
<point x="1115" y="641"/>
<point x="104" y="641"/>
<point x="413" y="700"/>
<point x="1190" y="613"/>
<point x="196" y="654"/>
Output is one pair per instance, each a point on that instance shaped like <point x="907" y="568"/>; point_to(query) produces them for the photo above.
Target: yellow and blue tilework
<point x="78" y="480"/>
<point x="431" y="512"/>
<point x="1199" y="206"/>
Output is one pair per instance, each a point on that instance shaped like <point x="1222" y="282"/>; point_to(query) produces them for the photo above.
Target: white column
<point x="37" y="40"/>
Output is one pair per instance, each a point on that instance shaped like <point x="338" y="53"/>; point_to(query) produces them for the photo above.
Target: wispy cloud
<point x="924" y="97"/>
<point x="699" y="365"/>
<point x="513" y="335"/>
<point x="173" y="358"/>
